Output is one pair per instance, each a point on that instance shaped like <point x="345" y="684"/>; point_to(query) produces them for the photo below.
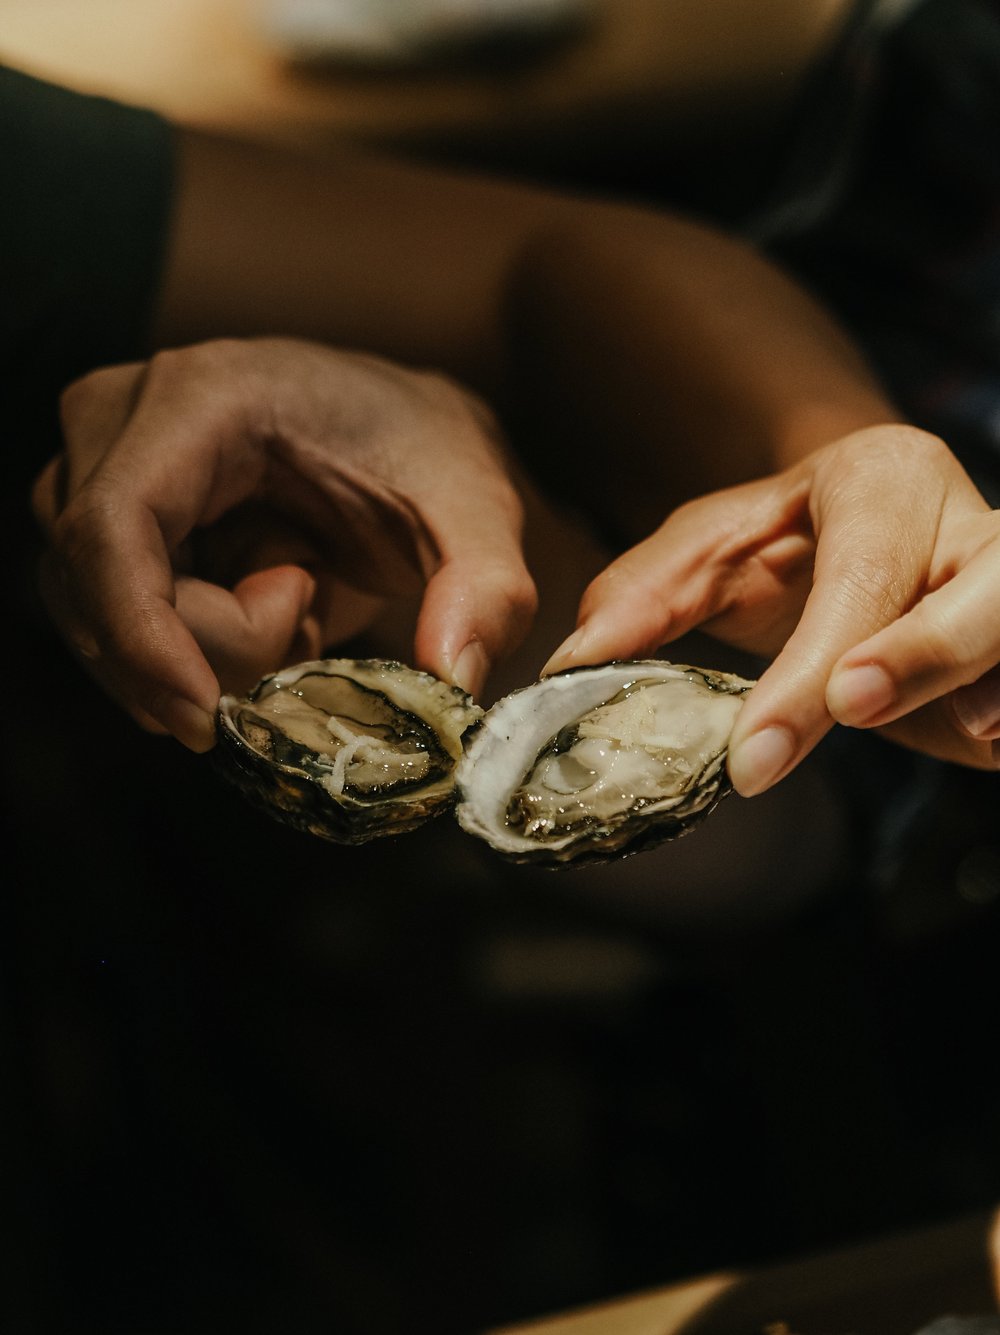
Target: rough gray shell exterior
<point x="283" y="764"/>
<point x="537" y="730"/>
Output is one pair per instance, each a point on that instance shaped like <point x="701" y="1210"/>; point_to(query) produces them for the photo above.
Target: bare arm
<point x="609" y="313"/>
<point x="683" y="354"/>
<point x="352" y="249"/>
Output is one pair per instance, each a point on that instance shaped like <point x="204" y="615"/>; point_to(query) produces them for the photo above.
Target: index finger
<point x="480" y="598"/>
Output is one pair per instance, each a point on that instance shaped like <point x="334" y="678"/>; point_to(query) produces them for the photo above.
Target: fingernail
<point x="188" y="722"/>
<point x="857" y="695"/>
<point x="471" y="668"/>
<point x="977" y="707"/>
<point x="586" y="645"/>
<point x="760" y="760"/>
<point x="565" y="656"/>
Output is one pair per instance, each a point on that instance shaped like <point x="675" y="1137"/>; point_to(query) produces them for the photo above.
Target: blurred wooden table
<point x="892" y="1286"/>
<point x="207" y="62"/>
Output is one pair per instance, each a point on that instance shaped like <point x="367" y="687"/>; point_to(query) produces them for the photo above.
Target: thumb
<point x="477" y="608"/>
<point x="264" y="624"/>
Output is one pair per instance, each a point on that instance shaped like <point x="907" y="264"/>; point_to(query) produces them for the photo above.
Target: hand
<point x="225" y="509"/>
<point x="871" y="569"/>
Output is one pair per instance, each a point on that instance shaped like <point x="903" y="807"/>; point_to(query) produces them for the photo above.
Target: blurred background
<point x="253" y="1082"/>
<point x="583" y="90"/>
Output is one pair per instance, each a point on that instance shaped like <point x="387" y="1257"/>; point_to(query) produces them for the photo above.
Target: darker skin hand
<point x="229" y="508"/>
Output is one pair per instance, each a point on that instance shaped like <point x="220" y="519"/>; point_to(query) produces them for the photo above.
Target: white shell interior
<point x="649" y="748"/>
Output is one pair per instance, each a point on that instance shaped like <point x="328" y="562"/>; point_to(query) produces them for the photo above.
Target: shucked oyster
<point x="349" y="749"/>
<point x="595" y="763"/>
<point x="585" y="765"/>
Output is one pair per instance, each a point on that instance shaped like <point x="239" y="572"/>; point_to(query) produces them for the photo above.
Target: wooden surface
<point x="659" y="1313"/>
<point x="207" y="62"/>
<point x="891" y="1286"/>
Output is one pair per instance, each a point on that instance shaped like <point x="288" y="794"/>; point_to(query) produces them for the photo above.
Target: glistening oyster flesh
<point x="596" y="763"/>
<point x="348" y="749"/>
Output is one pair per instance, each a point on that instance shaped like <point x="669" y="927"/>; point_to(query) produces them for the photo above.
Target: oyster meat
<point x="348" y="749"/>
<point x="596" y="763"/>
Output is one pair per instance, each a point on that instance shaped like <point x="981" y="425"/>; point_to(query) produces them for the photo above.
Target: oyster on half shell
<point x="586" y="765"/>
<point x="348" y="749"/>
<point x="596" y="763"/>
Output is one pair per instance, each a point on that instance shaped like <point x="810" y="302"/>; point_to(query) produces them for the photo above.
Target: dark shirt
<point x="82" y="233"/>
<point x="882" y="196"/>
<point x="83" y="227"/>
<point x="887" y="204"/>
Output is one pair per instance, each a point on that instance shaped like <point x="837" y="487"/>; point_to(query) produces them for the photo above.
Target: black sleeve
<point x="83" y="226"/>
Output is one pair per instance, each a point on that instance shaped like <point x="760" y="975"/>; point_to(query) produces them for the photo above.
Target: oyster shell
<point x="596" y="763"/>
<point x="348" y="749"/>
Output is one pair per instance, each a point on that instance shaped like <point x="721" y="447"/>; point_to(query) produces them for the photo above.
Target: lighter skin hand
<point x="230" y="508"/>
<point x="870" y="573"/>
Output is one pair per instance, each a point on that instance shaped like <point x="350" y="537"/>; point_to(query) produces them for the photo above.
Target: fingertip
<point x="190" y="723"/>
<point x="592" y="643"/>
<point x="275" y="590"/>
<point x="976" y="707"/>
<point x="859" y="695"/>
<point x="471" y="668"/>
<point x="566" y="655"/>
<point x="471" y="618"/>
<point x="759" y="760"/>
<point x="266" y="622"/>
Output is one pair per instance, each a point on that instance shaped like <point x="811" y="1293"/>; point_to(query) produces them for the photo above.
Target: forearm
<point x="682" y="357"/>
<point x="349" y="248"/>
<point x="613" y="326"/>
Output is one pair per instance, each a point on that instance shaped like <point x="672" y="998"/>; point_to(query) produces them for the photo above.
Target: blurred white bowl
<point x="411" y="32"/>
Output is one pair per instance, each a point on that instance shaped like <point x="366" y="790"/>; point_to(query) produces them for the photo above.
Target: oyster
<point x="348" y="749"/>
<point x="596" y="763"/>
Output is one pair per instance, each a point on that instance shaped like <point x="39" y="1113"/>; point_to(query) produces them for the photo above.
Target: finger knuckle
<point x="898" y="449"/>
<point x="921" y="446"/>
<point x="82" y="527"/>
<point x="168" y="366"/>
<point x="215" y="361"/>
<point x="77" y="396"/>
<point x="454" y="399"/>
